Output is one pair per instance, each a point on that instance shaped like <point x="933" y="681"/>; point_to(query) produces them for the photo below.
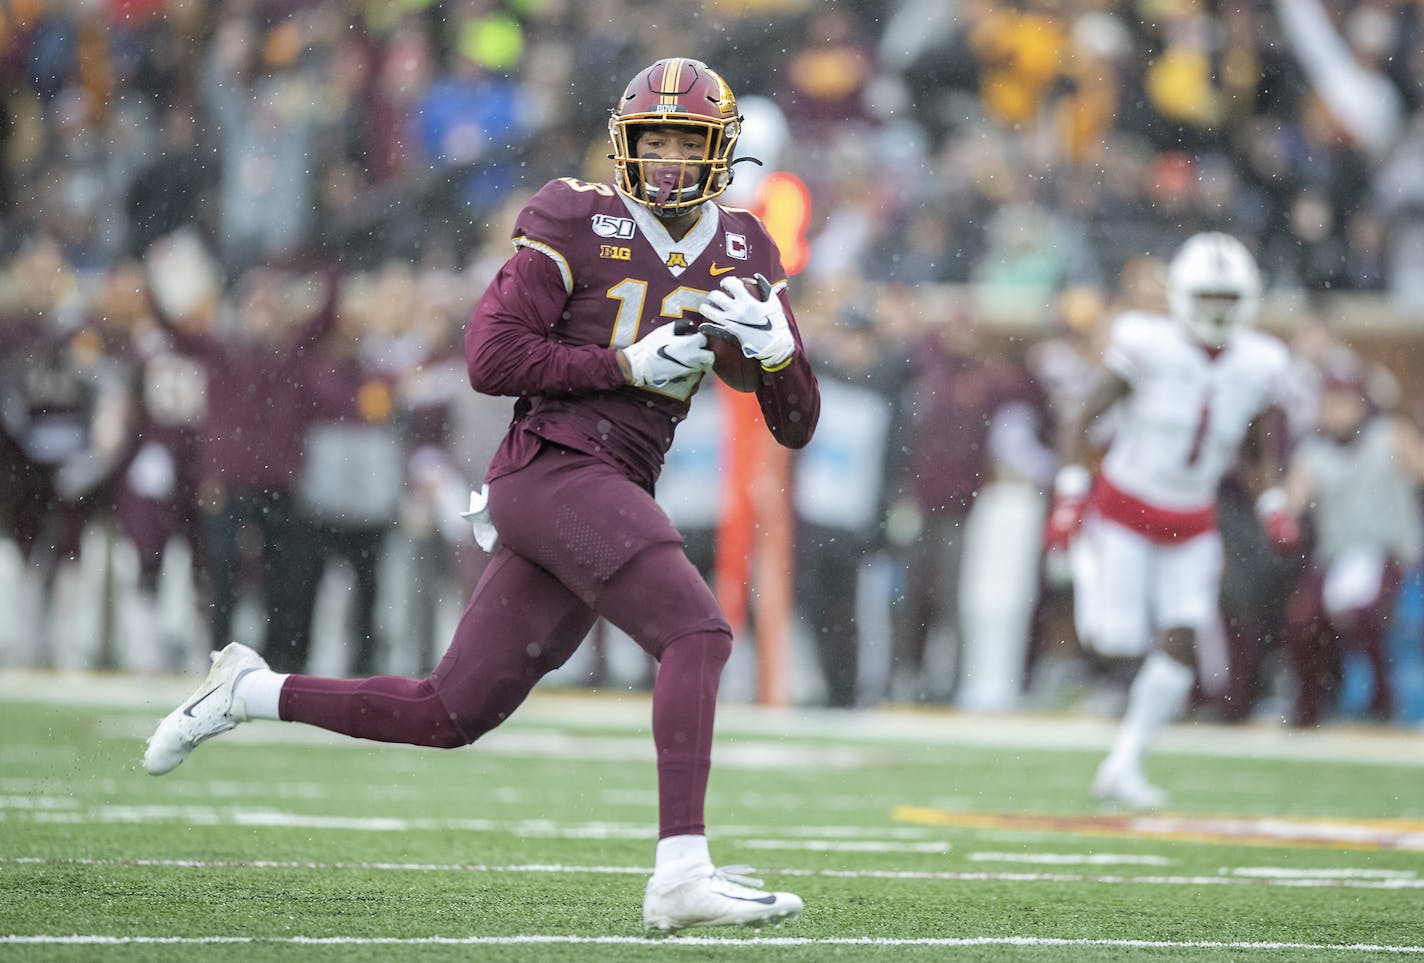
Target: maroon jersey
<point x="257" y="406"/>
<point x="594" y="272"/>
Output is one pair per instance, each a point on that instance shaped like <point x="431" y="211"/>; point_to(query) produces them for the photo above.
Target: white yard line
<point x="1324" y="882"/>
<point x="754" y="942"/>
<point x="61" y="810"/>
<point x="1281" y="872"/>
<point x="842" y="845"/>
<point x="1070" y="859"/>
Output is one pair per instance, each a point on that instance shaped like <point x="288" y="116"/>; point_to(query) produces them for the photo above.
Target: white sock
<point x="680" y="857"/>
<point x="260" y="690"/>
<point x="1157" y="695"/>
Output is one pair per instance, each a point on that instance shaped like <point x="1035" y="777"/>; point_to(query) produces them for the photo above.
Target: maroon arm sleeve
<point x="509" y="347"/>
<point x="790" y="399"/>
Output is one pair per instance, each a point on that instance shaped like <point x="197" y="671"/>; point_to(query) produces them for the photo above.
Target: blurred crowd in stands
<point x="239" y="242"/>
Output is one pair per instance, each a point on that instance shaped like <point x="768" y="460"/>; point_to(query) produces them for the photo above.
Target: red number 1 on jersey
<point x="1199" y="436"/>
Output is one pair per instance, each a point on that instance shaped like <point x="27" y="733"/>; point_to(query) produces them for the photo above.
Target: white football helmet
<point x="1213" y="286"/>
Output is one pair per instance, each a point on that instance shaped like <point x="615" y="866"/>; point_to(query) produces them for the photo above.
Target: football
<point x="736" y="370"/>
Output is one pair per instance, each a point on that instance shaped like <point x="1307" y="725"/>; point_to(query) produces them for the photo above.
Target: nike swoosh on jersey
<point x="717" y="272"/>
<point x="188" y="709"/>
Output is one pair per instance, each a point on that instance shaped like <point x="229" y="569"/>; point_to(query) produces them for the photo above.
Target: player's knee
<point x="448" y="736"/>
<point x="1117" y="640"/>
<point x="441" y="726"/>
<point x="709" y="648"/>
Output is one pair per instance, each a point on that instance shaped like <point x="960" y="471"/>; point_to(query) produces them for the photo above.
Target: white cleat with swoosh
<point x="722" y="897"/>
<point x="211" y="710"/>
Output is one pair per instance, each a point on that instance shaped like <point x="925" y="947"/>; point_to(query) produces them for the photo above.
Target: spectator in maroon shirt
<point x="250" y="455"/>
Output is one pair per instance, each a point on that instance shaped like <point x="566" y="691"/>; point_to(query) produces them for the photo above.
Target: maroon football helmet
<point x="675" y="92"/>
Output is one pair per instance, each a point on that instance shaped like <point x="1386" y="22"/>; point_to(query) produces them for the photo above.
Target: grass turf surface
<point x="910" y="835"/>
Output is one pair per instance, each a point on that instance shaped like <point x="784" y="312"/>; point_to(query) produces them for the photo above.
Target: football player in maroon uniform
<point x="579" y="326"/>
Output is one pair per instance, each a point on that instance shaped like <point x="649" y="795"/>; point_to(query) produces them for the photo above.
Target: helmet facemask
<point x="1213" y="315"/>
<point x="676" y="94"/>
<point x="1213" y="287"/>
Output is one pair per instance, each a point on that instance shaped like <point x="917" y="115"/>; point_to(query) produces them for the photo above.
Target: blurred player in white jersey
<point x="1190" y="390"/>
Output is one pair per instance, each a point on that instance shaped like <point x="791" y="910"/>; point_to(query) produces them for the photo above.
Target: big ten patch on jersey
<point x="625" y="273"/>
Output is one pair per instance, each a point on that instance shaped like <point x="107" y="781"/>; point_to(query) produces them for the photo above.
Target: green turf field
<point x="911" y="836"/>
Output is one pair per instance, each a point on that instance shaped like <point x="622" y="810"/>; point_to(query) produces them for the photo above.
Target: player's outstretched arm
<point x="1073" y="481"/>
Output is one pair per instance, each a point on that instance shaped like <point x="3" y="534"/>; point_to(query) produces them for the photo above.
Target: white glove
<point x="664" y="357"/>
<point x="758" y="324"/>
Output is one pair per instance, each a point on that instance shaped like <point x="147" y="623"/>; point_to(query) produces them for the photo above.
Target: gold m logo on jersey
<point x="675" y="259"/>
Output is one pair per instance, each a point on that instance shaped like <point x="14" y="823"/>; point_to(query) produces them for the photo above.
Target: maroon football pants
<point x="578" y="540"/>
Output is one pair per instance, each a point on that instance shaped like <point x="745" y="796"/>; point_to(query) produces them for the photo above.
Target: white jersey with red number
<point x="1181" y="427"/>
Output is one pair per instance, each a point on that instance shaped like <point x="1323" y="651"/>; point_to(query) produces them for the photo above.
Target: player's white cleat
<point x="722" y="897"/>
<point x="209" y="711"/>
<point x="1126" y="785"/>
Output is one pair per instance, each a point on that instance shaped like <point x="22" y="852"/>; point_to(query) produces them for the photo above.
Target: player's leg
<point x="520" y="624"/>
<point x="522" y="621"/>
<point x="607" y="540"/>
<point x="1112" y="583"/>
<point x="661" y="601"/>
<point x="1184" y="590"/>
<point x="611" y="544"/>
<point x="665" y="605"/>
